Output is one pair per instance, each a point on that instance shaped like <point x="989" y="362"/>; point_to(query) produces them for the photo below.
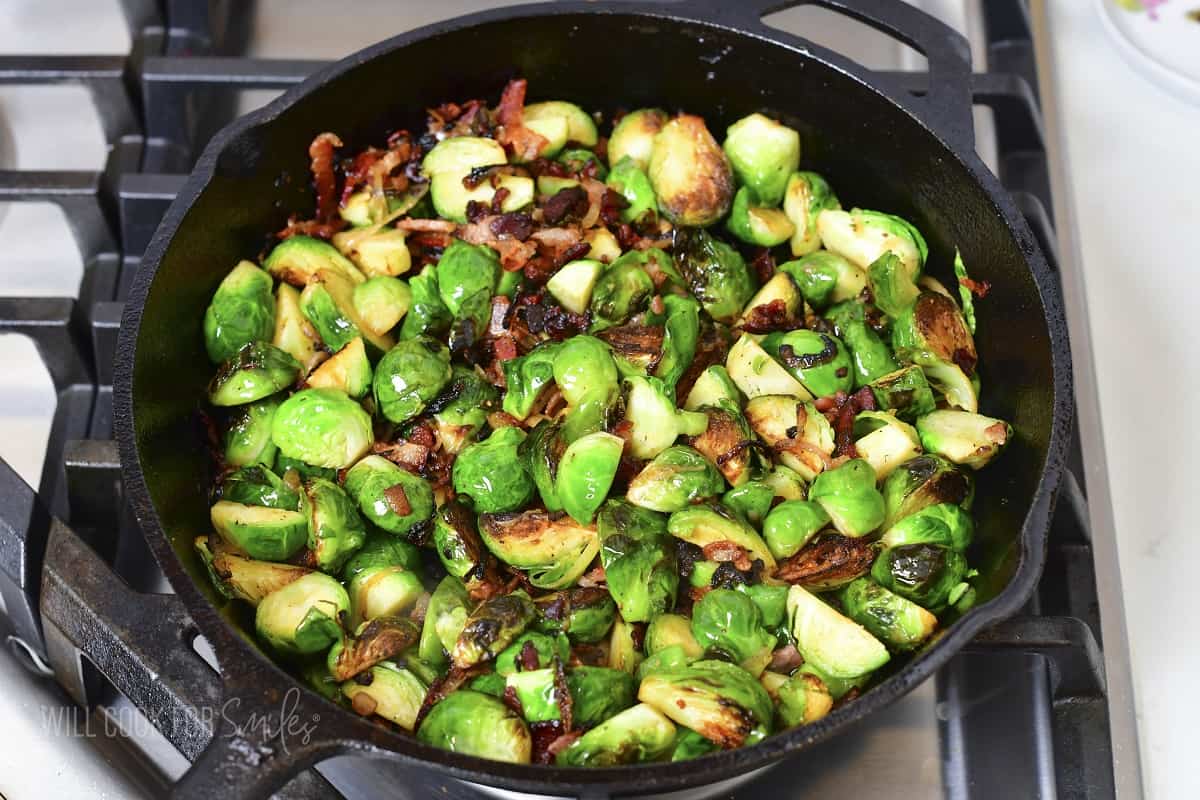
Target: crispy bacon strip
<point x="321" y="153"/>
<point x="427" y="225"/>
<point x="512" y="133"/>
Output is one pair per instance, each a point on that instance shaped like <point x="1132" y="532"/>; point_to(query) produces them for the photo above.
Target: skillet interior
<point x="873" y="153"/>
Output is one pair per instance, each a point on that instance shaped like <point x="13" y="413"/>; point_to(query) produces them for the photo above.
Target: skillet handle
<point x="945" y="107"/>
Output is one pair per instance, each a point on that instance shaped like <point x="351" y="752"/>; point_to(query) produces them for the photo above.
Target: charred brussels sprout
<point x="322" y="427"/>
<point x="491" y="627"/>
<point x="456" y="539"/>
<point x="634" y="136"/>
<point x="756" y="223"/>
<point x="934" y="323"/>
<point x="752" y="500"/>
<point x="638" y="560"/>
<point x="242" y="311"/>
<point x="829" y="561"/>
<point x="825" y="278"/>
<point x="848" y="495"/>
<point x="335" y="529"/>
<point x="599" y="693"/>
<point x="807" y="194"/>
<point x="303" y="616"/>
<point x="383" y="578"/>
<point x="941" y="524"/>
<point x="681" y="334"/>
<point x="729" y="624"/>
<point x="862" y="236"/>
<point x="526" y="376"/>
<point x="241" y="578"/>
<point x="728" y="443"/>
<point x="892" y="286"/>
<point x="573" y="284"/>
<point x="389" y="496"/>
<point x="554" y="549"/>
<point x="884" y="441"/>
<point x="586" y="375"/>
<point x="717" y="274"/>
<point x="258" y="486"/>
<point x="676" y="478"/>
<point x="947" y="378"/>
<point x="349" y="371"/>
<point x="390" y="692"/>
<point x="637" y="734"/>
<point x="586" y="472"/>
<point x="721" y="701"/>
<point x="427" y="315"/>
<point x="545" y="647"/>
<point x="380" y="639"/>
<point x="382" y="302"/>
<point x="255" y="371"/>
<point x="703" y="525"/>
<point x="899" y="623"/>
<point x="543" y="449"/>
<point x="924" y="481"/>
<point x="764" y="153"/>
<point x="819" y="361"/>
<point x="270" y="534"/>
<point x="869" y="355"/>
<point x="691" y="175"/>
<point x="623" y="652"/>
<point x="964" y="438"/>
<point x="757" y="374"/>
<point x="905" y="392"/>
<point x="297" y="259"/>
<point x="791" y="524"/>
<point x="492" y="474"/>
<point x="248" y="438"/>
<point x="656" y="421"/>
<point x="444" y="620"/>
<point x="477" y="724"/>
<point x="410" y="376"/>
<point x="461" y="411"/>
<point x="629" y="179"/>
<point x="797" y="432"/>
<point x="585" y="614"/>
<point x="831" y="642"/>
<point x="621" y="291"/>
<point x="927" y="574"/>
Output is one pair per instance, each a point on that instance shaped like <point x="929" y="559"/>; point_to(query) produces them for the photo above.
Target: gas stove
<point x="1036" y="707"/>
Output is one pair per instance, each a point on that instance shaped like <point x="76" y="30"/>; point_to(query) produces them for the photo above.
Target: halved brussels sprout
<point x="728" y="624"/>
<point x="807" y="194"/>
<point x="754" y="372"/>
<point x="586" y="472"/>
<point x="829" y="561"/>
<point x="672" y="630"/>
<point x="892" y="287"/>
<point x="303" y="616"/>
<point x="377" y="250"/>
<point x="388" y="691"/>
<point x="900" y="623"/>
<point x="849" y="497"/>
<point x="269" y="534"/>
<point x="629" y="179"/>
<point x="383" y="577"/>
<point x="322" y="427"/>
<point x="756" y="223"/>
<point x="605" y="247"/>
<point x="924" y="481"/>
<point x="465" y="270"/>
<point x="800" y="700"/>
<point x="716" y="273"/>
<point x="428" y="315"/>
<point x="586" y="375"/>
<point x="537" y="694"/>
<point x="934" y="323"/>
<point x="622" y="290"/>
<point x="389" y="496"/>
<point x="636" y="734"/>
<point x="526" y="376"/>
<point x="382" y="302"/>
<point x="297" y="259"/>
<point x="545" y="647"/>
<point x="477" y="724"/>
<point x="863" y="236"/>
<point x="410" y="376"/>
<point x="543" y="449"/>
<point x="656" y="421"/>
<point x="676" y="478"/>
<point x="833" y="643"/>
<point x="241" y="578"/>
<point x="444" y="620"/>
<point x="634" y="136"/>
<point x="786" y="483"/>
<point x="451" y="160"/>
<point x="776" y="295"/>
<point x="681" y="335"/>
<point x="491" y="627"/>
<point x="300" y="470"/>
<point x="703" y="525"/>
<point x="335" y="530"/>
<point x="728" y="443"/>
<point x="905" y="392"/>
<point x="826" y="278"/>
<point x="456" y="540"/>
<point x="752" y="500"/>
<point x="328" y="303"/>
<point x="492" y="473"/>
<point x="964" y="438"/>
<point x="242" y="311"/>
<point x="714" y="387"/>
<point x="884" y="441"/>
<point x="581" y="129"/>
<point x="943" y="524"/>
<point x="799" y="434"/>
<point x="638" y="560"/>
<point x="819" y="361"/>
<point x="247" y="440"/>
<point x="869" y="355"/>
<point x="258" y="486"/>
<point x="573" y="284"/>
<point x="460" y="412"/>
<point x="380" y="639"/>
<point x="946" y="377"/>
<point x="255" y="371"/>
<point x="927" y="574"/>
<point x="599" y="693"/>
<point x="721" y="701"/>
<point x="791" y="524"/>
<point x="293" y="333"/>
<point x="585" y="614"/>
<point x="348" y="371"/>
<point x="763" y="153"/>
<point x="554" y="549"/>
<point x="691" y="175"/>
<point x="623" y="652"/>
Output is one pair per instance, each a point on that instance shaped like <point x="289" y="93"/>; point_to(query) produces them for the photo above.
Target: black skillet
<point x="878" y="145"/>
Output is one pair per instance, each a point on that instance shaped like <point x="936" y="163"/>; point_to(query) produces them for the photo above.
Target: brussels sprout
<point x="335" y="530"/>
<point x="752" y="500"/>
<point x="824" y="278"/>
<point x="927" y="574"/>
<point x="892" y="286"/>
<point x="621" y="291"/>
<point x="899" y="623"/>
<point x="537" y="694"/>
<point x="242" y="311"/>
<point x="676" y="478"/>
<point x="381" y="549"/>
<point x="720" y="701"/>
<point x="714" y="387"/>
<point x="634" y="136"/>
<point x="580" y="127"/>
<point x="241" y="578"/>
<point x="763" y="153"/>
<point x="703" y="525"/>
<point x="599" y="693"/>
<point x="681" y="334"/>
<point x="729" y="624"/>
<point x="526" y="376"/>
<point x="491" y="627"/>
<point x="546" y="647"/>
<point x="477" y="724"/>
<point x="298" y="259"/>
<point x="302" y="617"/>
<point x="849" y="497"/>
<point x="623" y="652"/>
<point x="383" y="577"/>
<point x="382" y="302"/>
<point x="862" y="236"/>
<point x="672" y="630"/>
<point x="690" y="174"/>
<point x="465" y="270"/>
<point x="293" y="333"/>
<point x="579" y="160"/>
<point x="586" y="472"/>
<point x="884" y="441"/>
<point x="573" y="284"/>
<point x="757" y="224"/>
<point x="869" y="355"/>
<point x="689" y="744"/>
<point x="428" y="315"/>
<point x="924" y="481"/>
<point x="270" y="534"/>
<point x="328" y="303"/>
<point x="819" y="361"/>
<point x="451" y="160"/>
<point x="757" y="374"/>
<point x="542" y="450"/>
<point x="348" y="371"/>
<point x="935" y="324"/>
<point x="390" y="692"/>
<point x="798" y="433"/>
<point x="378" y="640"/>
<point x="300" y="470"/>
<point x="837" y="688"/>
<point x="461" y="410"/>
<point x="905" y="392"/>
<point x="786" y="483"/>
<point x="410" y="376"/>
<point x="778" y="294"/>
<point x="656" y="421"/>
<point x="488" y="683"/>
<point x="771" y="600"/>
<point x="555" y="550"/>
<point x="316" y="676"/>
<point x="964" y="438"/>
<point x="256" y="371"/>
<point x="636" y="734"/>
<point x="728" y="443"/>
<point x="378" y="251"/>
<point x="806" y="196"/>
<point x="457" y="542"/>
<point x="638" y="560"/>
<point x="605" y="247"/>
<point x="716" y="273"/>
<point x="258" y="486"/>
<point x="942" y="524"/>
<point x="665" y="660"/>
<point x="833" y="643"/>
<point x="584" y="614"/>
<point x="492" y="474"/>
<point x="586" y="375"/>
<point x="791" y="524"/>
<point x="829" y="561"/>
<point x="322" y="427"/>
<point x="389" y="496"/>
<point x="629" y="179"/>
<point x="444" y="620"/>
<point x="800" y="700"/>
<point x="248" y="438"/>
<point x="944" y="376"/>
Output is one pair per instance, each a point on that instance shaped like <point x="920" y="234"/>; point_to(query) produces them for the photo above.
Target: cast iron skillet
<point x="879" y="147"/>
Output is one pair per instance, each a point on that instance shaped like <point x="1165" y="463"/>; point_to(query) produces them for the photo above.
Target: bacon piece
<point x="769" y="317"/>
<point x="427" y="225"/>
<point x="528" y="657"/>
<point x="410" y="455"/>
<point x="324" y="183"/>
<point x="978" y="288"/>
<point x="731" y="552"/>
<point x="397" y="500"/>
<point x="512" y="133"/>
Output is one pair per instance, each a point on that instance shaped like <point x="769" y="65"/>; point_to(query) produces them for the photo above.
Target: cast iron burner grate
<point x="149" y="103"/>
